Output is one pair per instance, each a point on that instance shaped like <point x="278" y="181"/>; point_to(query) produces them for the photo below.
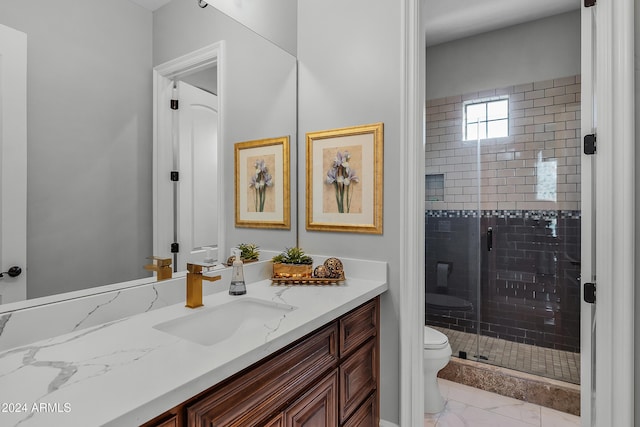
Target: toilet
<point x="437" y="353"/>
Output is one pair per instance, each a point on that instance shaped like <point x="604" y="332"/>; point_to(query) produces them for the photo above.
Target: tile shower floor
<point x="467" y="406"/>
<point x="547" y="362"/>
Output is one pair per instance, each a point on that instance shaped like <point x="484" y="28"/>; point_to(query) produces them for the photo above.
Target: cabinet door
<point x="358" y="378"/>
<point x="317" y="407"/>
<point x="366" y="415"/>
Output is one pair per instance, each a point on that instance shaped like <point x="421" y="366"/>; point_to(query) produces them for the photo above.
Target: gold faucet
<point x="194" y="284"/>
<point x="162" y="266"/>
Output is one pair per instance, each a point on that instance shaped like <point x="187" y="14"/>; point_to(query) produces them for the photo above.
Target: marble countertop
<point x="125" y="372"/>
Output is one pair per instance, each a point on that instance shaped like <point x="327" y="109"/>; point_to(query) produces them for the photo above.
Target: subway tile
<point x="565" y="81"/>
<point x="542" y="102"/>
<point x="573" y="88"/>
<point x="573" y="124"/>
<point x="543" y="84"/>
<point x="536" y="110"/>
<point x="550" y="127"/>
<point x="445" y="107"/>
<point x="566" y="99"/>
<point x="555" y="91"/>
<point x="547" y="118"/>
<point x="552" y="109"/>
<point x="535" y="94"/>
<point x="521" y="105"/>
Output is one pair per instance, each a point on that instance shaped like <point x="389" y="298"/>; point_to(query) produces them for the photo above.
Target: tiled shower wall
<point x="529" y="287"/>
<point x="544" y="130"/>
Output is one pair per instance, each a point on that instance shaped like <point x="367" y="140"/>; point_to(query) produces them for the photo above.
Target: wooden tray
<point x="307" y="280"/>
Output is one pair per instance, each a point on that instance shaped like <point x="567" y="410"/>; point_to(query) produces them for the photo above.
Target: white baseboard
<point x="384" y="423"/>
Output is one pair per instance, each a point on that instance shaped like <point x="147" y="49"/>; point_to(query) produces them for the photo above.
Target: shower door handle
<point x="489" y="239"/>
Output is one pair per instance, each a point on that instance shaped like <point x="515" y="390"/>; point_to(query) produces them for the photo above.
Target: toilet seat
<point x="434" y="339"/>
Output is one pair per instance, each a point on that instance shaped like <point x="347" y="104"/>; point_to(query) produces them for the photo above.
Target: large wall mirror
<point x="90" y="129"/>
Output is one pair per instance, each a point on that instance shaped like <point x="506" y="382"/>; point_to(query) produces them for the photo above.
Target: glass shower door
<point x="502" y="222"/>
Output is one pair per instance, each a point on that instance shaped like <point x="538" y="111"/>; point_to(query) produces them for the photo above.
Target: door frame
<point x="164" y="134"/>
<point x="614" y="197"/>
<point x="13" y="156"/>
<point x="614" y="225"/>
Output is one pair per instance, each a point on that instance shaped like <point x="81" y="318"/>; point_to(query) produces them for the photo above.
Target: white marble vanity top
<point x="125" y="372"/>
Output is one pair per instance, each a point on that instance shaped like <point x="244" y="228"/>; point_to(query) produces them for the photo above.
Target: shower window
<point x="485" y="119"/>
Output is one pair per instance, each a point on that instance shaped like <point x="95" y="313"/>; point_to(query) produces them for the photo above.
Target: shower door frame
<point x="611" y="406"/>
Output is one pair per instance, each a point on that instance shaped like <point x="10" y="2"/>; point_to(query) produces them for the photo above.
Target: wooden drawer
<point x="317" y="407"/>
<point x="358" y="378"/>
<point x="256" y="393"/>
<point x="358" y="326"/>
<point x="367" y="415"/>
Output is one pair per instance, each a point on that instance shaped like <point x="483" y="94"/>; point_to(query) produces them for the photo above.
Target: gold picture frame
<point x="345" y="179"/>
<point x="262" y="183"/>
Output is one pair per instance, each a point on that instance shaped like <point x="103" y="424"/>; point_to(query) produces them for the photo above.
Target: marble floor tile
<point x="470" y="407"/>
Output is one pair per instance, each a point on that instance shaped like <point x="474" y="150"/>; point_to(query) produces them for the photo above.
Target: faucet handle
<point x="162" y="266"/>
<point x="211" y="278"/>
<point x="159" y="261"/>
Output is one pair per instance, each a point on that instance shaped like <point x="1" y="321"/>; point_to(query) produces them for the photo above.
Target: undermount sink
<point x="212" y="325"/>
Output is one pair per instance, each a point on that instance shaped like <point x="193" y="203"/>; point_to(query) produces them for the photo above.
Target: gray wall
<point x="276" y="20"/>
<point x="350" y="74"/>
<point x="540" y="50"/>
<point x="89" y="141"/>
<point x="259" y="95"/>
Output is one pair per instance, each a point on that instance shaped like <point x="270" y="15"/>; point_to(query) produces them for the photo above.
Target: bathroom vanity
<point x="329" y="378"/>
<point x="278" y="356"/>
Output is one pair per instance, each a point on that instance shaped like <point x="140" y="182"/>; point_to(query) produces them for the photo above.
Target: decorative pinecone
<point x="321" y="272"/>
<point x="334" y="265"/>
<point x="230" y="260"/>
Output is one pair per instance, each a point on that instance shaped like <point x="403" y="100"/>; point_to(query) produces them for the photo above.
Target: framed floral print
<point x="262" y="184"/>
<point x="344" y="179"/>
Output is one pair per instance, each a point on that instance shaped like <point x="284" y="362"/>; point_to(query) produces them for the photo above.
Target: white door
<point x="13" y="162"/>
<point x="198" y="167"/>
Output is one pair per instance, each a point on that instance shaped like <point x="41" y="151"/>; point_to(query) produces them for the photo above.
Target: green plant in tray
<point x="249" y="251"/>
<point x="293" y="255"/>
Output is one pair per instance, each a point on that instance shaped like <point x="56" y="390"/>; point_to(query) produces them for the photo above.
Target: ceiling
<point x="447" y="20"/>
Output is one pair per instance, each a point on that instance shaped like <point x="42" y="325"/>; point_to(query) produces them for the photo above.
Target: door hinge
<point x="174" y="104"/>
<point x="175" y="176"/>
<point x="589" y="3"/>
<point x="175" y="248"/>
<point x="590" y="293"/>
<point x="590" y="144"/>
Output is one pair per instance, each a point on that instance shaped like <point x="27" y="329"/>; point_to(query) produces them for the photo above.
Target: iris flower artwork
<point x="260" y="181"/>
<point x="343" y="178"/>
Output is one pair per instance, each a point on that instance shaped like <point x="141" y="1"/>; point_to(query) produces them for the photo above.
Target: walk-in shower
<point x="502" y="225"/>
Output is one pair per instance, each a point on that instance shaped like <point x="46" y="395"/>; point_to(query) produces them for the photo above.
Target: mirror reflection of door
<point x="197" y="150"/>
<point x="13" y="162"/>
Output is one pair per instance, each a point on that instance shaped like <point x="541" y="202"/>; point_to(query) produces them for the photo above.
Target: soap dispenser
<point x="237" y="276"/>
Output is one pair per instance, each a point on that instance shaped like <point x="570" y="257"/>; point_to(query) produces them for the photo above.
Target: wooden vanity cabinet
<point x="330" y="378"/>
